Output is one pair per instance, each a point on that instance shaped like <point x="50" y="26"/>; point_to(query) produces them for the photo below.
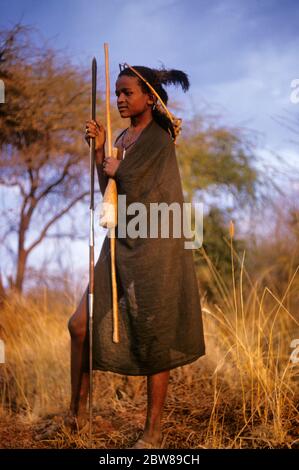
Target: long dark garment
<point x="160" y="321"/>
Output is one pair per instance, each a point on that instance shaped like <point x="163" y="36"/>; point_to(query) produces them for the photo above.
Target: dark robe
<point x="160" y="320"/>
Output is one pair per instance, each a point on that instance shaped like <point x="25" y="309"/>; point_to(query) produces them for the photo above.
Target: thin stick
<point x="91" y="240"/>
<point x="115" y="337"/>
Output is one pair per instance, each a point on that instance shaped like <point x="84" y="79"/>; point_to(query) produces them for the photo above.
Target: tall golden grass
<point x="243" y="393"/>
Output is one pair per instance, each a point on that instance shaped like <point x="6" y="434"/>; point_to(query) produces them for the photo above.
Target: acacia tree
<point x="44" y="159"/>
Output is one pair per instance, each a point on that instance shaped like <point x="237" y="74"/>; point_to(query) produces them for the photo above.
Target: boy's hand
<point x="110" y="165"/>
<point x="95" y="130"/>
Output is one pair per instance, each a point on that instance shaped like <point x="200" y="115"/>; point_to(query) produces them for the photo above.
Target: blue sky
<point x="241" y="56"/>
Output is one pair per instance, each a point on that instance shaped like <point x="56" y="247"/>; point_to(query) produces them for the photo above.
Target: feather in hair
<point x="173" y="77"/>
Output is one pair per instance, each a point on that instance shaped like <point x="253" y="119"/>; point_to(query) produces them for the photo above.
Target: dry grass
<point x="243" y="393"/>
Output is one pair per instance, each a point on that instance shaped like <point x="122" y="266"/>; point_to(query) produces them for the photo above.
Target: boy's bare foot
<point x="148" y="443"/>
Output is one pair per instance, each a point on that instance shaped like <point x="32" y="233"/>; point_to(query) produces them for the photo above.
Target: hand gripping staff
<point x="91" y="236"/>
<point x="109" y="207"/>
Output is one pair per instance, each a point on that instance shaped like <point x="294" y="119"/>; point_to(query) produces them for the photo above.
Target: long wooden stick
<point x="111" y="187"/>
<point x="91" y="239"/>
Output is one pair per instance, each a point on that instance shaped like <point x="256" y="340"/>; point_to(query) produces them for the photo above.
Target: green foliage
<point x="218" y="159"/>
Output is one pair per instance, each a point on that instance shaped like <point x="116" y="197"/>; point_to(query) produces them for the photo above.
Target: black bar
<point x="133" y="458"/>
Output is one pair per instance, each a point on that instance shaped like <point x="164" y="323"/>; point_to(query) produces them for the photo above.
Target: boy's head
<point x="139" y="88"/>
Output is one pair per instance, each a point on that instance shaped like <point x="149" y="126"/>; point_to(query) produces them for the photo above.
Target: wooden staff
<point x="91" y="237"/>
<point x="109" y="213"/>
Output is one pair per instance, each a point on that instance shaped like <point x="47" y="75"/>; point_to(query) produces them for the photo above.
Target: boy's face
<point x="131" y="101"/>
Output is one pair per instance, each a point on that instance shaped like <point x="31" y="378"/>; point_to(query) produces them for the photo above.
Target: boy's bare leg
<point x="157" y="385"/>
<point x="78" y="327"/>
